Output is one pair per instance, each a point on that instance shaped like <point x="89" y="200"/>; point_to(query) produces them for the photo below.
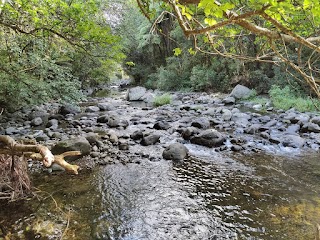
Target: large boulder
<point x="240" y="92"/>
<point x="175" y="151"/>
<point x="75" y="144"/>
<point x="209" y="138"/>
<point x="136" y="93"/>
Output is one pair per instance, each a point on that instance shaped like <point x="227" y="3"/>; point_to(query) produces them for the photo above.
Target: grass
<point x="285" y="99"/>
<point x="162" y="100"/>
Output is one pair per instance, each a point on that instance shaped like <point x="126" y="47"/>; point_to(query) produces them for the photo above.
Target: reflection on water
<point x="209" y="196"/>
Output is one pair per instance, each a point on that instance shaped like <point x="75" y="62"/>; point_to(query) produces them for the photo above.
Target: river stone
<point x="161" y="125"/>
<point x="226" y="114"/>
<point x="229" y="100"/>
<point x="36" y="121"/>
<point x="136" y="93"/>
<point x="69" y="109"/>
<point x="310" y="127"/>
<point x="75" y="144"/>
<point x="294" y="141"/>
<point x="188" y="132"/>
<point x="112" y="121"/>
<point x="253" y="129"/>
<point x="136" y="135"/>
<point x="209" y="138"/>
<point x="92" y="109"/>
<point x="52" y="124"/>
<point x="202" y="123"/>
<point x="175" y="151"/>
<point x="241" y="92"/>
<point x="151" y="139"/>
<point x="315" y="120"/>
<point x="105" y="106"/>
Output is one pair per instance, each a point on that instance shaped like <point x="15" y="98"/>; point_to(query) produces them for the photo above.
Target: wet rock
<point x="69" y="109"/>
<point x="209" y="138"/>
<point x="202" y="123"/>
<point x="241" y="92"/>
<point x="161" y="125"/>
<point x="175" y="151"/>
<point x="36" y="121"/>
<point x="75" y="144"/>
<point x="136" y="93"/>
<point x="294" y="141"/>
<point x="236" y="148"/>
<point x="253" y="129"/>
<point x="294" y="128"/>
<point x="151" y="139"/>
<point x="11" y="131"/>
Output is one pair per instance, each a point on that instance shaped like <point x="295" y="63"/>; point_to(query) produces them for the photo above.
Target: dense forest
<point x="55" y="50"/>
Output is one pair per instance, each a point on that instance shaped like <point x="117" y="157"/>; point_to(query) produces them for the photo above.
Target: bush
<point x="162" y="100"/>
<point x="285" y="98"/>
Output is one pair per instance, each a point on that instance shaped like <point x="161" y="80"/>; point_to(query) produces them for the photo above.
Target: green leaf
<point x="177" y="51"/>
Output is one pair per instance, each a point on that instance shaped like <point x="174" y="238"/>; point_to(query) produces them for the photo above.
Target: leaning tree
<point x="284" y="31"/>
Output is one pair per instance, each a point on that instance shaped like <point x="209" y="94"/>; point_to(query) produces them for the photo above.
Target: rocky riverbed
<point x="227" y="178"/>
<point x="115" y="129"/>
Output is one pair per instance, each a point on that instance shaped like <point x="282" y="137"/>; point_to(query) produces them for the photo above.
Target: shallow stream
<point x="209" y="196"/>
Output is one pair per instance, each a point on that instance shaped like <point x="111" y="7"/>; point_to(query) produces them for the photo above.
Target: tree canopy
<point x="49" y="48"/>
<point x="284" y="31"/>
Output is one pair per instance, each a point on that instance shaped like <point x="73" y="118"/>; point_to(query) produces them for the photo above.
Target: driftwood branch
<point x="37" y="152"/>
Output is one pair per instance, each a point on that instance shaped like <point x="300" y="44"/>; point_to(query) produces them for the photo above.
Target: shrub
<point x="162" y="100"/>
<point x="285" y="98"/>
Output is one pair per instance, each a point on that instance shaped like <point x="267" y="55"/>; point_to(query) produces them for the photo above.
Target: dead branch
<point x="37" y="152"/>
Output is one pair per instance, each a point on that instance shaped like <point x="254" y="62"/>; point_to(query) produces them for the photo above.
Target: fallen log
<point x="37" y="152"/>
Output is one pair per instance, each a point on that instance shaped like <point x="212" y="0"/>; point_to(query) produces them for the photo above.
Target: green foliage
<point x="50" y="49"/>
<point x="162" y="100"/>
<point x="286" y="98"/>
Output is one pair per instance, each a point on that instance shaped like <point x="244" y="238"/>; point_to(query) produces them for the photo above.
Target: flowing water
<point x="209" y="196"/>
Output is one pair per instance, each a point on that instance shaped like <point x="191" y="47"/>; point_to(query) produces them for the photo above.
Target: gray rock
<point x="151" y="139"/>
<point x="241" y="92"/>
<point x="226" y="114"/>
<point x="310" y="127"/>
<point x="294" y="141"/>
<point x="92" y="109"/>
<point x="69" y="109"/>
<point x="11" y="131"/>
<point x="93" y="138"/>
<point x="136" y="135"/>
<point x="175" y="151"/>
<point x="75" y="144"/>
<point x="315" y="120"/>
<point x="201" y="122"/>
<point x="105" y="106"/>
<point x="136" y="93"/>
<point x="161" y="125"/>
<point x="36" y="121"/>
<point x="111" y="120"/>
<point x="188" y="132"/>
<point x="52" y="124"/>
<point x="229" y="100"/>
<point x="253" y="129"/>
<point x="209" y="138"/>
